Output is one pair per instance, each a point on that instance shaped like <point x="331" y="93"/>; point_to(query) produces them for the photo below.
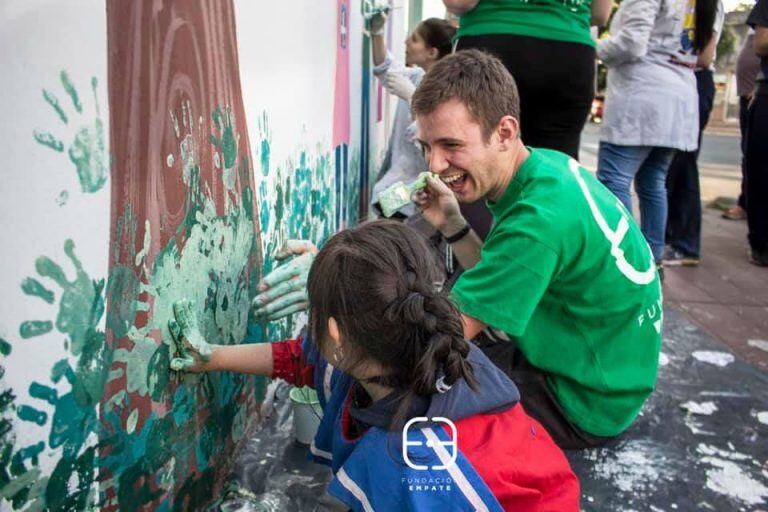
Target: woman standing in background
<point x="651" y="104"/>
<point x="683" y="232"/>
<point x="548" y="48"/>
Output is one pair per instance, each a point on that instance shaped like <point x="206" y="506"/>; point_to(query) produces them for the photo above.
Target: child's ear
<point x="333" y="332"/>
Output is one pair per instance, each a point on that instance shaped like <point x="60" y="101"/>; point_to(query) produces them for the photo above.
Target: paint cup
<point x="306" y="414"/>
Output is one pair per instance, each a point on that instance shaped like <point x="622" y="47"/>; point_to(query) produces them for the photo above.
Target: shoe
<point x="735" y="213"/>
<point x="674" y="258"/>
<point x="759" y="258"/>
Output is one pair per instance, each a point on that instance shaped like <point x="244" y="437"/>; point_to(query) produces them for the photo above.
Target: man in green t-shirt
<point x="565" y="283"/>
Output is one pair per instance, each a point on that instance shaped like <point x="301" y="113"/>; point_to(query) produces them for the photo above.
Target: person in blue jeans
<point x="651" y="104"/>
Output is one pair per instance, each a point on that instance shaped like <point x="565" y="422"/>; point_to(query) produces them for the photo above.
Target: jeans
<point x="618" y="165"/>
<point x="743" y="119"/>
<point x="757" y="172"/>
<point x="683" y="194"/>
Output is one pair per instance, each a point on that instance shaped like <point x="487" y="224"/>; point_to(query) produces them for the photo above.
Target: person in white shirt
<point x="651" y="54"/>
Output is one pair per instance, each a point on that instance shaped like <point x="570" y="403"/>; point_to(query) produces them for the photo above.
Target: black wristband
<point x="459" y="235"/>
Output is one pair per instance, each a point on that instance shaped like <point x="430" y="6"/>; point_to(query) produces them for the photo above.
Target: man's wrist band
<point x="459" y="235"/>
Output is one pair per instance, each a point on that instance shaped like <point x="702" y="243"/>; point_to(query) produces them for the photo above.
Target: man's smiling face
<point x="456" y="150"/>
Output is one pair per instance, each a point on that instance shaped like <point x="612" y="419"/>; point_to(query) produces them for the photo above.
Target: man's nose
<point x="437" y="161"/>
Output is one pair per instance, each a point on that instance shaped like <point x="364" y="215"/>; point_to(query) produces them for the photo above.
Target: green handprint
<point x="87" y="150"/>
<point x="284" y="290"/>
<point x="190" y="345"/>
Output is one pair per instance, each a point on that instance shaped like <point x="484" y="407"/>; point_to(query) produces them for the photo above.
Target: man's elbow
<point x="600" y="17"/>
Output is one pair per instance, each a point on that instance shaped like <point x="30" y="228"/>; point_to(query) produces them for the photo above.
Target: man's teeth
<point x="451" y="179"/>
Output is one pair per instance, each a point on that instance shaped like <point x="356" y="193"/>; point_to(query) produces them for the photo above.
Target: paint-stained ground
<point x="701" y="443"/>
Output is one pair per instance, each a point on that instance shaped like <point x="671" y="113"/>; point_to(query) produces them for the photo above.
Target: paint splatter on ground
<point x="714" y="357"/>
<point x="703" y="408"/>
<point x="761" y="344"/>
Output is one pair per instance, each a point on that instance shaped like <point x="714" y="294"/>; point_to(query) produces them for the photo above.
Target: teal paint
<point x="87" y="151"/>
<point x="33" y="287"/>
<point x="34" y="328"/>
<point x="71" y="91"/>
<point x="53" y="101"/>
<point x="5" y="347"/>
<point x="46" y="139"/>
<point x="63" y="198"/>
<point x="32" y="415"/>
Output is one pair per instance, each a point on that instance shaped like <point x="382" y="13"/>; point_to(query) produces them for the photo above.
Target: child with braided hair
<point x="415" y="417"/>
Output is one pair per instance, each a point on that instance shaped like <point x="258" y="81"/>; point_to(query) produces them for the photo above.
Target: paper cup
<point x="306" y="414"/>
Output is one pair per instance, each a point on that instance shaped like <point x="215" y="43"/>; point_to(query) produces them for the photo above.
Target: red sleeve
<point x="288" y="363"/>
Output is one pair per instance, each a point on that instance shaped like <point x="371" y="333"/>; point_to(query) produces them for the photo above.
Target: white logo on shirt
<point x="614" y="237"/>
<point x="447" y="457"/>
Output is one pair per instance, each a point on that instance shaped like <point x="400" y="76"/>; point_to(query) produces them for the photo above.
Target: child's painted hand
<point x="284" y="290"/>
<point x="191" y="348"/>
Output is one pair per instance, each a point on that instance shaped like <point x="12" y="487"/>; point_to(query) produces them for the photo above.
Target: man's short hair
<point x="477" y="79"/>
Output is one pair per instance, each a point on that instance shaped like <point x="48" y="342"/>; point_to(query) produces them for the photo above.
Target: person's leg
<point x="757" y="180"/>
<point x="536" y="397"/>
<point x="617" y="166"/>
<point x="650" y="187"/>
<point x="683" y="231"/>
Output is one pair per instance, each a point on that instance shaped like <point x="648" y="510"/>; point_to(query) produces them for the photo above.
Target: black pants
<point x="743" y="116"/>
<point x="536" y="397"/>
<point x="556" y="83"/>
<point x="757" y="170"/>
<point x="683" y="193"/>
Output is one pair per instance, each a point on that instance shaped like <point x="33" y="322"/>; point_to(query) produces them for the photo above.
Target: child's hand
<point x="284" y="290"/>
<point x="192" y="349"/>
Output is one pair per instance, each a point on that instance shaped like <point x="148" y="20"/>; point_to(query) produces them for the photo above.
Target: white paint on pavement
<point x="716" y="358"/>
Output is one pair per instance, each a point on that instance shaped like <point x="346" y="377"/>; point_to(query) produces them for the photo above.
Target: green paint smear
<point x="71" y="91"/>
<point x="53" y="101"/>
<point x="33" y="287"/>
<point x="5" y="347"/>
<point x="33" y="328"/>
<point x="46" y="139"/>
<point x="27" y="413"/>
<point x="88" y="154"/>
<point x="37" y="390"/>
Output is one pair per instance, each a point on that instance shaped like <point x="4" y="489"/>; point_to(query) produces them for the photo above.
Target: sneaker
<point x="759" y="258"/>
<point x="674" y="258"/>
<point x="735" y="213"/>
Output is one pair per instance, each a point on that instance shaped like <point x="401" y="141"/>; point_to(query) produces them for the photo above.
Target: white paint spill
<point x="663" y="359"/>
<point x="727" y="476"/>
<point x="721" y="359"/>
<point x="169" y="160"/>
<point x="703" y="408"/>
<point x="636" y="468"/>
<point x="761" y="344"/>
<point x="695" y="426"/>
<point x="762" y="417"/>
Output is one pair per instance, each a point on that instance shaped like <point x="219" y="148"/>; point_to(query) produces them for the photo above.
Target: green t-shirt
<point x="559" y="20"/>
<point x="566" y="273"/>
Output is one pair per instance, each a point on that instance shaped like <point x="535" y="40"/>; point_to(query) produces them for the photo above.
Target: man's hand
<point x="192" y="350"/>
<point x="439" y="207"/>
<point x="284" y="290"/>
<point x="398" y="84"/>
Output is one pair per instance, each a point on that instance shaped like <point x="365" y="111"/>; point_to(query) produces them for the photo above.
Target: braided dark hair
<point x="382" y="285"/>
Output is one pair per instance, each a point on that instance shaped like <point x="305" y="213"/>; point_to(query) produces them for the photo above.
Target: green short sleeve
<point x="508" y="282"/>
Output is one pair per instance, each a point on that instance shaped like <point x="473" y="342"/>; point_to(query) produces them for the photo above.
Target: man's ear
<point x="333" y="332"/>
<point x="508" y="130"/>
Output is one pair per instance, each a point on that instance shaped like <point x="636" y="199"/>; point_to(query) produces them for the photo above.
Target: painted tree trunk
<point x="184" y="225"/>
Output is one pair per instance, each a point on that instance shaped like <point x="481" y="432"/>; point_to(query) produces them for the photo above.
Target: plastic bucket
<point x="306" y="414"/>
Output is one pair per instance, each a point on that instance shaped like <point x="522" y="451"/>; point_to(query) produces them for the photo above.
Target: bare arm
<point x="460" y="7"/>
<point x="761" y="41"/>
<point x="472" y="326"/>
<point x="601" y="12"/>
<point x="704" y="59"/>
<point x="467" y="249"/>
<point x="255" y="359"/>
